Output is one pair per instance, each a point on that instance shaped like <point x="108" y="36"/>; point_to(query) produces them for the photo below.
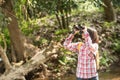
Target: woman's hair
<point x="93" y="34"/>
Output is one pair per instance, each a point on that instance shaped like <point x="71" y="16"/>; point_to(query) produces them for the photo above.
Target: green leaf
<point x="61" y="62"/>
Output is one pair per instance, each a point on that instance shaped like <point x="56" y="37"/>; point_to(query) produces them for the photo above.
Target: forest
<point x="32" y="33"/>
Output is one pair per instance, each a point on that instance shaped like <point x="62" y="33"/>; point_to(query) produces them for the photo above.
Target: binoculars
<point x="78" y="27"/>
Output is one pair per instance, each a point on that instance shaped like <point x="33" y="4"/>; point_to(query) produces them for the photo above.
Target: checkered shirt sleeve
<point x="69" y="45"/>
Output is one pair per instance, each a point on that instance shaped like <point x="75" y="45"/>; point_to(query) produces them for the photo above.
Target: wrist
<point x="73" y="32"/>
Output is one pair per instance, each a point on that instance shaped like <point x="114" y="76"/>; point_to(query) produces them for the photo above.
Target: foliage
<point x="65" y="51"/>
<point x="89" y="5"/>
<point x="43" y="41"/>
<point x="61" y="31"/>
<point x="52" y="6"/>
<point x="106" y="59"/>
<point x="3" y="21"/>
<point x="39" y="8"/>
<point x="29" y="27"/>
<point x="116" y="46"/>
<point x="59" y="34"/>
<point x="7" y="37"/>
<point x="19" y="9"/>
<point x="116" y="3"/>
<point x="3" y="29"/>
<point x="108" y="24"/>
<point x="66" y="58"/>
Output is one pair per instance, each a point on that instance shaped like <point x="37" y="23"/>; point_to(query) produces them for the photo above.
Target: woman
<point x="86" y="66"/>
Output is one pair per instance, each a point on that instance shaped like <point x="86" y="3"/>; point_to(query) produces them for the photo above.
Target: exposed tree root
<point x="19" y="72"/>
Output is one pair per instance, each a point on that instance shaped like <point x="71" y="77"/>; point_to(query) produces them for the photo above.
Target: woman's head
<point x="93" y="34"/>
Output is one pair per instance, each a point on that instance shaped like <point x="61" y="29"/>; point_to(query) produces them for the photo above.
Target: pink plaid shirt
<point x="86" y="67"/>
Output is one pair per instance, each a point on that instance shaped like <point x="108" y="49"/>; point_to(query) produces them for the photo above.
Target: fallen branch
<point x="40" y="57"/>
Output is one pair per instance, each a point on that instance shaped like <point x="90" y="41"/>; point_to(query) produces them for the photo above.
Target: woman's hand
<point x="85" y="29"/>
<point x="75" y="31"/>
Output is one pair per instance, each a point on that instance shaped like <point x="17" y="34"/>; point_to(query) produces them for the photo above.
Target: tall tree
<point x="15" y="34"/>
<point x="109" y="10"/>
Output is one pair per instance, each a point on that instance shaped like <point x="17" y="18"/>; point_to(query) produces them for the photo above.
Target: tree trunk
<point x="109" y="11"/>
<point x="63" y="19"/>
<point x="15" y="34"/>
<point x="67" y="20"/>
<point x="5" y="59"/>
<point x="58" y="19"/>
<point x="13" y="56"/>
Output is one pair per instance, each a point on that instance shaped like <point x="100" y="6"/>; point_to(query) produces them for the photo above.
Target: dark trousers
<point x="94" y="78"/>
